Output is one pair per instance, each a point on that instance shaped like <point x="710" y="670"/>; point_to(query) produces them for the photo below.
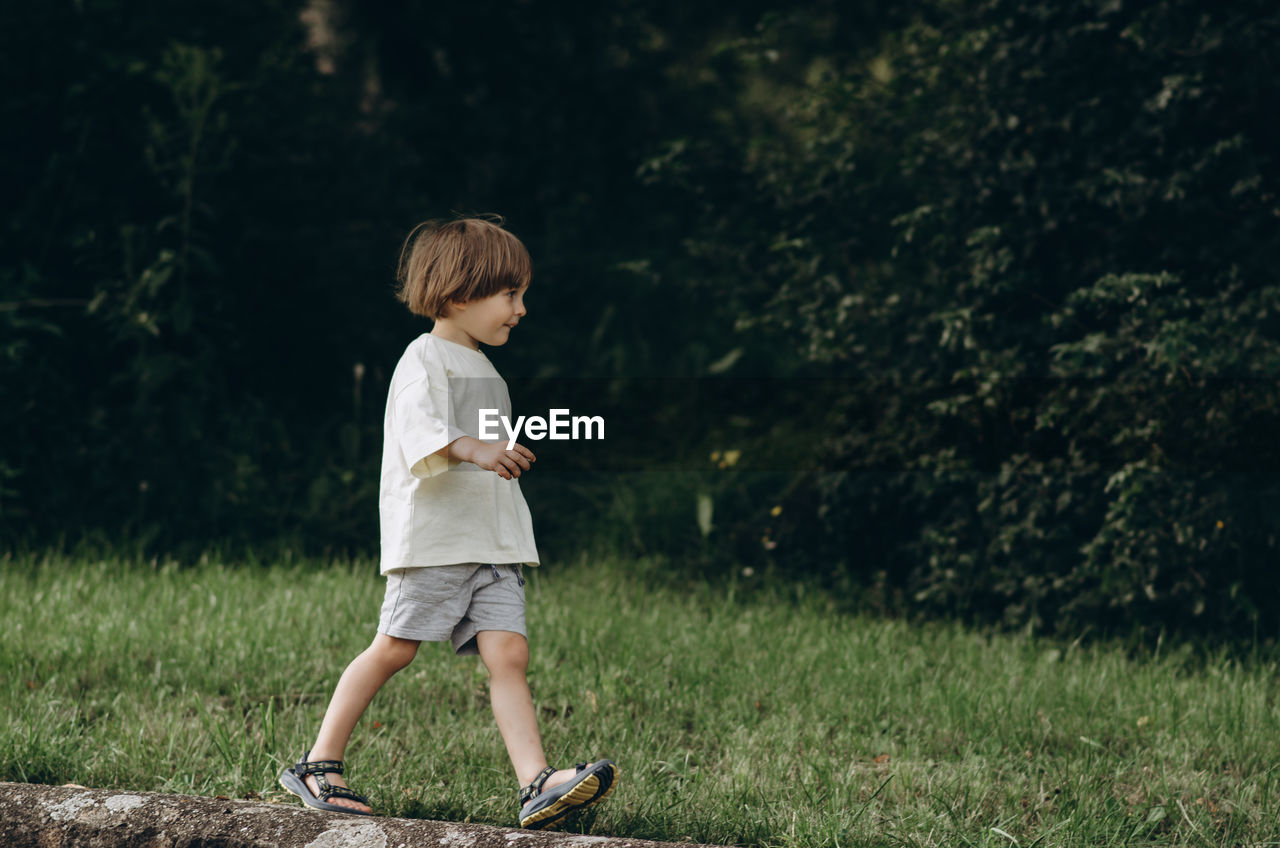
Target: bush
<point x="1038" y="240"/>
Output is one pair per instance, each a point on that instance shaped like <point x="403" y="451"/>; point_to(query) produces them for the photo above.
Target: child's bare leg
<point x="506" y="655"/>
<point x="363" y="678"/>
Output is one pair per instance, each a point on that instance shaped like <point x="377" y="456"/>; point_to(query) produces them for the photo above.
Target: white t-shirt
<point x="437" y="511"/>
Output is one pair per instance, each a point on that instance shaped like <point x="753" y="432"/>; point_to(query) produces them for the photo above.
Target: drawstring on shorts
<point x="515" y="569"/>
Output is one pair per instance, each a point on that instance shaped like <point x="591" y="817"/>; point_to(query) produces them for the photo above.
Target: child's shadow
<point x="434" y="812"/>
<point x="580" y="821"/>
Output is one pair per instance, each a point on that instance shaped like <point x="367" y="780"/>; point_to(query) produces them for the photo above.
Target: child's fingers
<point x="528" y="454"/>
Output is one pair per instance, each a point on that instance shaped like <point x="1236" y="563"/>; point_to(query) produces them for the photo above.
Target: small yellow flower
<point x="731" y="457"/>
<point x="1220" y="524"/>
<point x="776" y="511"/>
<point x="715" y="456"/>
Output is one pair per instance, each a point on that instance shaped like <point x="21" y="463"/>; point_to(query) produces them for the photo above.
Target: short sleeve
<point x="423" y="424"/>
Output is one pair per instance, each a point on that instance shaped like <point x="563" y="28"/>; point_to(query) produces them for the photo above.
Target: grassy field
<point x="739" y="717"/>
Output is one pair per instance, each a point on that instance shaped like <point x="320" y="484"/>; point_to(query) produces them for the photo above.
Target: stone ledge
<point x="36" y="816"/>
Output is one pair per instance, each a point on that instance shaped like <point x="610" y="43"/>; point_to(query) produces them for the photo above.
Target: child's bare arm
<point x="491" y="456"/>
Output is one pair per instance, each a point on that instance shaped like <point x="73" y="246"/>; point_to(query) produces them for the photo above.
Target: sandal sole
<point x="583" y="795"/>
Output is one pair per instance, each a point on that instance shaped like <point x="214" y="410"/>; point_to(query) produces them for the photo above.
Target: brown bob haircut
<point x="459" y="261"/>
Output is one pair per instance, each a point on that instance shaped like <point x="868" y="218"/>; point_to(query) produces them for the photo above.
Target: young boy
<point x="455" y="528"/>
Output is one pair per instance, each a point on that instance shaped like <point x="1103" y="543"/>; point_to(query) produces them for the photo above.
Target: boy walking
<point x="455" y="528"/>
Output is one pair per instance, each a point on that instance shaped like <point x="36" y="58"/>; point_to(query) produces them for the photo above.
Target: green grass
<point x="737" y="717"/>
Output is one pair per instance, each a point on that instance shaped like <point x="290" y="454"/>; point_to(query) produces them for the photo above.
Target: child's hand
<point x="506" y="463"/>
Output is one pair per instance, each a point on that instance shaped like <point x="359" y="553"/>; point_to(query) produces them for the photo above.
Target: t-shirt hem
<point x="498" y="560"/>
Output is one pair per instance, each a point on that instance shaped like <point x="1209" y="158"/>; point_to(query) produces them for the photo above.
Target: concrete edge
<point x="37" y="816"/>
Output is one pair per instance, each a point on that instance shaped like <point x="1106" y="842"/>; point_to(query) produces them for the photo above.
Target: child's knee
<point x="504" y="652"/>
<point x="394" y="653"/>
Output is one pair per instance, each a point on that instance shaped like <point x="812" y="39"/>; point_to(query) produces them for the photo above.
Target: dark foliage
<point x="996" y="281"/>
<point x="1039" y="240"/>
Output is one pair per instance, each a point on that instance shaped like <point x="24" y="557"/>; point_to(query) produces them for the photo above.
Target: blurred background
<point x="962" y="309"/>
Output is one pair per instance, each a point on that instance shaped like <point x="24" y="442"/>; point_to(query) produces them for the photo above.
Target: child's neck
<point x="450" y="332"/>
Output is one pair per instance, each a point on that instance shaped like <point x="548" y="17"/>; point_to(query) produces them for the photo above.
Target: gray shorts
<point x="452" y="603"/>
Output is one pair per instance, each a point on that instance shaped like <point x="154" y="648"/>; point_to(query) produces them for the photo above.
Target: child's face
<point x="489" y="320"/>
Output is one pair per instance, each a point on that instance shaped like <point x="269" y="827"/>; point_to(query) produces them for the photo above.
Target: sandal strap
<point x="318" y="767"/>
<point x="328" y="790"/>
<point x="535" y="788"/>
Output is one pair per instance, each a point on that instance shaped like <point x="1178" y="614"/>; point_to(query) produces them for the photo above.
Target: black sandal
<point x="592" y="783"/>
<point x="294" y="779"/>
